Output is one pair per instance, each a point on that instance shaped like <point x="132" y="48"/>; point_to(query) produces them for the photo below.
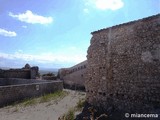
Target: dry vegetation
<point x="41" y="99"/>
<point x="70" y="115"/>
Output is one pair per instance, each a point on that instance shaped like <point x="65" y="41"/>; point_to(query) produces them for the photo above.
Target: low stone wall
<point x="25" y="89"/>
<point x="15" y="73"/>
<point x="24" y="73"/>
<point x="17" y="81"/>
<point x="49" y="78"/>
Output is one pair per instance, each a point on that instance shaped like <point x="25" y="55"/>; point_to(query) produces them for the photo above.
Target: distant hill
<point x="5" y="68"/>
<point x="48" y="70"/>
<point x="41" y="70"/>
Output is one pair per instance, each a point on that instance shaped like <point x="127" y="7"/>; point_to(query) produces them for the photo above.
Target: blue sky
<point x="56" y="33"/>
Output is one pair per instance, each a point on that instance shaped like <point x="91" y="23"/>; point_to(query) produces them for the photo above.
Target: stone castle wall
<point x="14" y="89"/>
<point x="29" y="73"/>
<point x="74" y="77"/>
<point x="49" y="77"/>
<point x="15" y="73"/>
<point x="123" y="68"/>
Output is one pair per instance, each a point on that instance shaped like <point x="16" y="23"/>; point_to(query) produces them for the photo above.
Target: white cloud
<point x="44" y="57"/>
<point x="30" y="17"/>
<point x="6" y="33"/>
<point x="105" y="4"/>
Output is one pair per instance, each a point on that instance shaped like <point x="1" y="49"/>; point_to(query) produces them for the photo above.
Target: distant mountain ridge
<point x="5" y="68"/>
<point x="48" y="70"/>
<point x="41" y="70"/>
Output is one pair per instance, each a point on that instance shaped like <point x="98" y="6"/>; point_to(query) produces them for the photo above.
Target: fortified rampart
<point x="15" y="89"/>
<point x="19" y="84"/>
<point x="74" y="77"/>
<point x="49" y="77"/>
<point x="123" y="70"/>
<point x="26" y="72"/>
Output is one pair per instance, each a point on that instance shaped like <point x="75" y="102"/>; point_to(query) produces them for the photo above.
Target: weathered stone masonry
<point x="16" y="89"/>
<point x="26" y="72"/>
<point x="19" y="84"/>
<point x="73" y="77"/>
<point x="123" y="68"/>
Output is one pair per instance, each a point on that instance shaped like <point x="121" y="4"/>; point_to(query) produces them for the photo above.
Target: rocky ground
<point x="44" y="111"/>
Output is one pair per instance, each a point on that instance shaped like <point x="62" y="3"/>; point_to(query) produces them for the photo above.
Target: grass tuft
<point x="48" y="97"/>
<point x="41" y="99"/>
<point x="28" y="102"/>
<point x="69" y="115"/>
<point x="80" y="104"/>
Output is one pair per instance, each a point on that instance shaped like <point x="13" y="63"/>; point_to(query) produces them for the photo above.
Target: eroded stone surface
<point x="123" y="67"/>
<point x="74" y="76"/>
<point x="27" y="72"/>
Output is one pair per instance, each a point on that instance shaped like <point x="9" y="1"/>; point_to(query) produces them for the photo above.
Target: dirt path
<point x="44" y="111"/>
